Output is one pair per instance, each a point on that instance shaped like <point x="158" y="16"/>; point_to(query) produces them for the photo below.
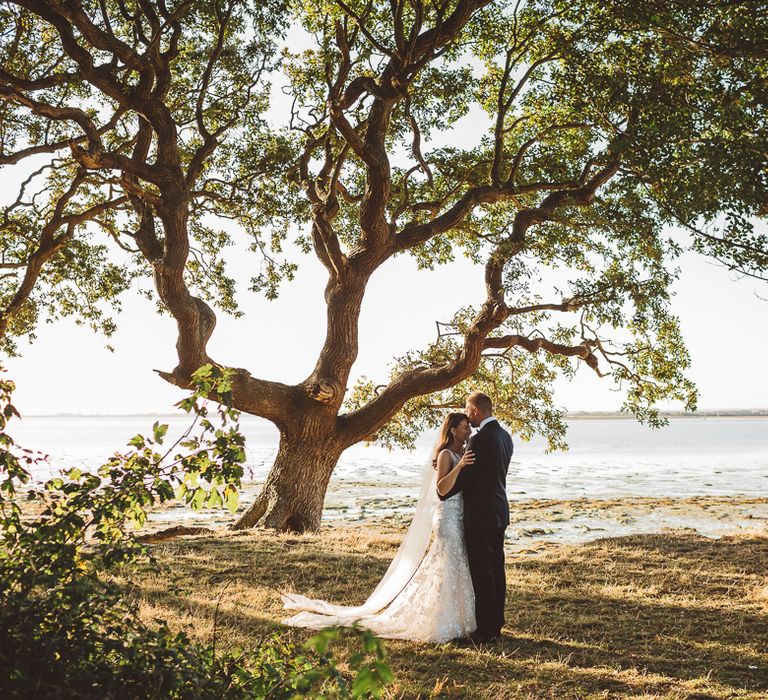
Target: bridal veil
<point x="320" y="613"/>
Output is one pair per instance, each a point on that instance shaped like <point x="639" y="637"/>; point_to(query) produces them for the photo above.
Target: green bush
<point x="68" y="631"/>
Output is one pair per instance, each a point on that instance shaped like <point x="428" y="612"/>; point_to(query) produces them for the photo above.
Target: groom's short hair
<point x="481" y="400"/>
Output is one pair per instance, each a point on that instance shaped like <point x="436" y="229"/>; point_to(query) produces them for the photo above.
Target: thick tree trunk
<point x="293" y="495"/>
<point x="310" y="445"/>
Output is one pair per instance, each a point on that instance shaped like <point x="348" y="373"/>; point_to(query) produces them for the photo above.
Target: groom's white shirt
<point x="485" y="421"/>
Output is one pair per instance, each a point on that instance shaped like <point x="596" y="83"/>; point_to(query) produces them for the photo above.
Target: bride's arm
<point x="447" y="474"/>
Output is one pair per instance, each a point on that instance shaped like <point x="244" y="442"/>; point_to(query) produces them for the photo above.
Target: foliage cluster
<point x="661" y="105"/>
<point x="67" y="629"/>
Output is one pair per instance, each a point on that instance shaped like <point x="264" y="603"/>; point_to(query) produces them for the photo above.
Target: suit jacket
<point x="484" y="482"/>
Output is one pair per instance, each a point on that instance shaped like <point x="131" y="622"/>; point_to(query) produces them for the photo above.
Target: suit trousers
<point x="485" y="553"/>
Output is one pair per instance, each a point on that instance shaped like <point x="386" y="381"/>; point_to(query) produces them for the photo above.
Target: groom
<point x="486" y="514"/>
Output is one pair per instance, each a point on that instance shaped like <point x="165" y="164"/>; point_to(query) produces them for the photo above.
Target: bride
<point x="426" y="594"/>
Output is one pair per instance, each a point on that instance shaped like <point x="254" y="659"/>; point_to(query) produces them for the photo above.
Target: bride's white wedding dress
<point x="422" y="597"/>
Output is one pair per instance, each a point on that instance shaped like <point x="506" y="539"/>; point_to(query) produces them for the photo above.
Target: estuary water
<point x="707" y="476"/>
<point x="608" y="458"/>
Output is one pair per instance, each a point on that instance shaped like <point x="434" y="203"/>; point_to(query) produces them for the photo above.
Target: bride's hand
<point x="467" y="459"/>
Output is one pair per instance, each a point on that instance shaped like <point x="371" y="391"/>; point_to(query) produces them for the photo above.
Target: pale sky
<point x="69" y="370"/>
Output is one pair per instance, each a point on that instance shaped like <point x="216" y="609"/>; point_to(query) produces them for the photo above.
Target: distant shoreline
<point x="701" y="414"/>
<point x="575" y="415"/>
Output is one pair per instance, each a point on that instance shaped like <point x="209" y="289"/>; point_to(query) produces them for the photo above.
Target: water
<point x="702" y="475"/>
<point x="609" y="458"/>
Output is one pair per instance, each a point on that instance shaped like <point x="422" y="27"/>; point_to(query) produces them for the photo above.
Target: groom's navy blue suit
<point x="486" y="516"/>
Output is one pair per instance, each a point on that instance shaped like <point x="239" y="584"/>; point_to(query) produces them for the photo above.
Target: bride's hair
<point x="452" y="420"/>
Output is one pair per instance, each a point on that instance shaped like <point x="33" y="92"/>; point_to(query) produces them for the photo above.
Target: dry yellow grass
<point x="652" y="616"/>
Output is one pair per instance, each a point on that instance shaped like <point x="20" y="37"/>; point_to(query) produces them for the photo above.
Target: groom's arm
<point x="470" y="473"/>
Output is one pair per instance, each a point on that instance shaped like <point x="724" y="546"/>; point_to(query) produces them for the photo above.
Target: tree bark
<point x="327" y="384"/>
<point x="310" y="443"/>
<point x="293" y="495"/>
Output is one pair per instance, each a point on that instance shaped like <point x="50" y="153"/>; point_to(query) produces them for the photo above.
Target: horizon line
<point x="576" y="412"/>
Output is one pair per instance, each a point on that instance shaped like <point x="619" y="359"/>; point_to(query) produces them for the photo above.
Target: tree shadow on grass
<point x="658" y="614"/>
<point x="681" y="606"/>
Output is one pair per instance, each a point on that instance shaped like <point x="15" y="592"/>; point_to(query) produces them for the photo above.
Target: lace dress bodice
<point x="448" y="520"/>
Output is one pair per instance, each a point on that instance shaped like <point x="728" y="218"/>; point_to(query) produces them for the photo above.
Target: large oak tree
<point x="606" y="138"/>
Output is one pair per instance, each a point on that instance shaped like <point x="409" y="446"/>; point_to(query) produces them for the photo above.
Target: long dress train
<point x="430" y="599"/>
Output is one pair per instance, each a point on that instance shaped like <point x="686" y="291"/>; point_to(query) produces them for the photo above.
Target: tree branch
<point x="493" y="313"/>
<point x="533" y="345"/>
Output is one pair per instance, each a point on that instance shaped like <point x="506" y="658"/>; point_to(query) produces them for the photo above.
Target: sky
<point x="69" y="370"/>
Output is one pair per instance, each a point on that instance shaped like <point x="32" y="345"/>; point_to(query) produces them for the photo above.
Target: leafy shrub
<point x="68" y="631"/>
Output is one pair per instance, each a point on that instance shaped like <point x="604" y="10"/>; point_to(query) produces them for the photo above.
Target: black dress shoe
<point x="483" y="638"/>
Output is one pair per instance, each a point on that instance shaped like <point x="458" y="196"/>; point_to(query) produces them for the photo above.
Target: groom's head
<point x="478" y="407"/>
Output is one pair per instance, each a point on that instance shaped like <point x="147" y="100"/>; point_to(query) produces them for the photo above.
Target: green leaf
<point x="319" y="642"/>
<point x="137" y="441"/>
<point x="384" y="671"/>
<point x="159" y="431"/>
<point x="198" y="498"/>
<point x="214" y="499"/>
<point x="231" y="498"/>
<point x="364" y="682"/>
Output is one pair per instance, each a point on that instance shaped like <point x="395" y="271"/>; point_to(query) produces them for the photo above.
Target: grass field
<point x="646" y="616"/>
